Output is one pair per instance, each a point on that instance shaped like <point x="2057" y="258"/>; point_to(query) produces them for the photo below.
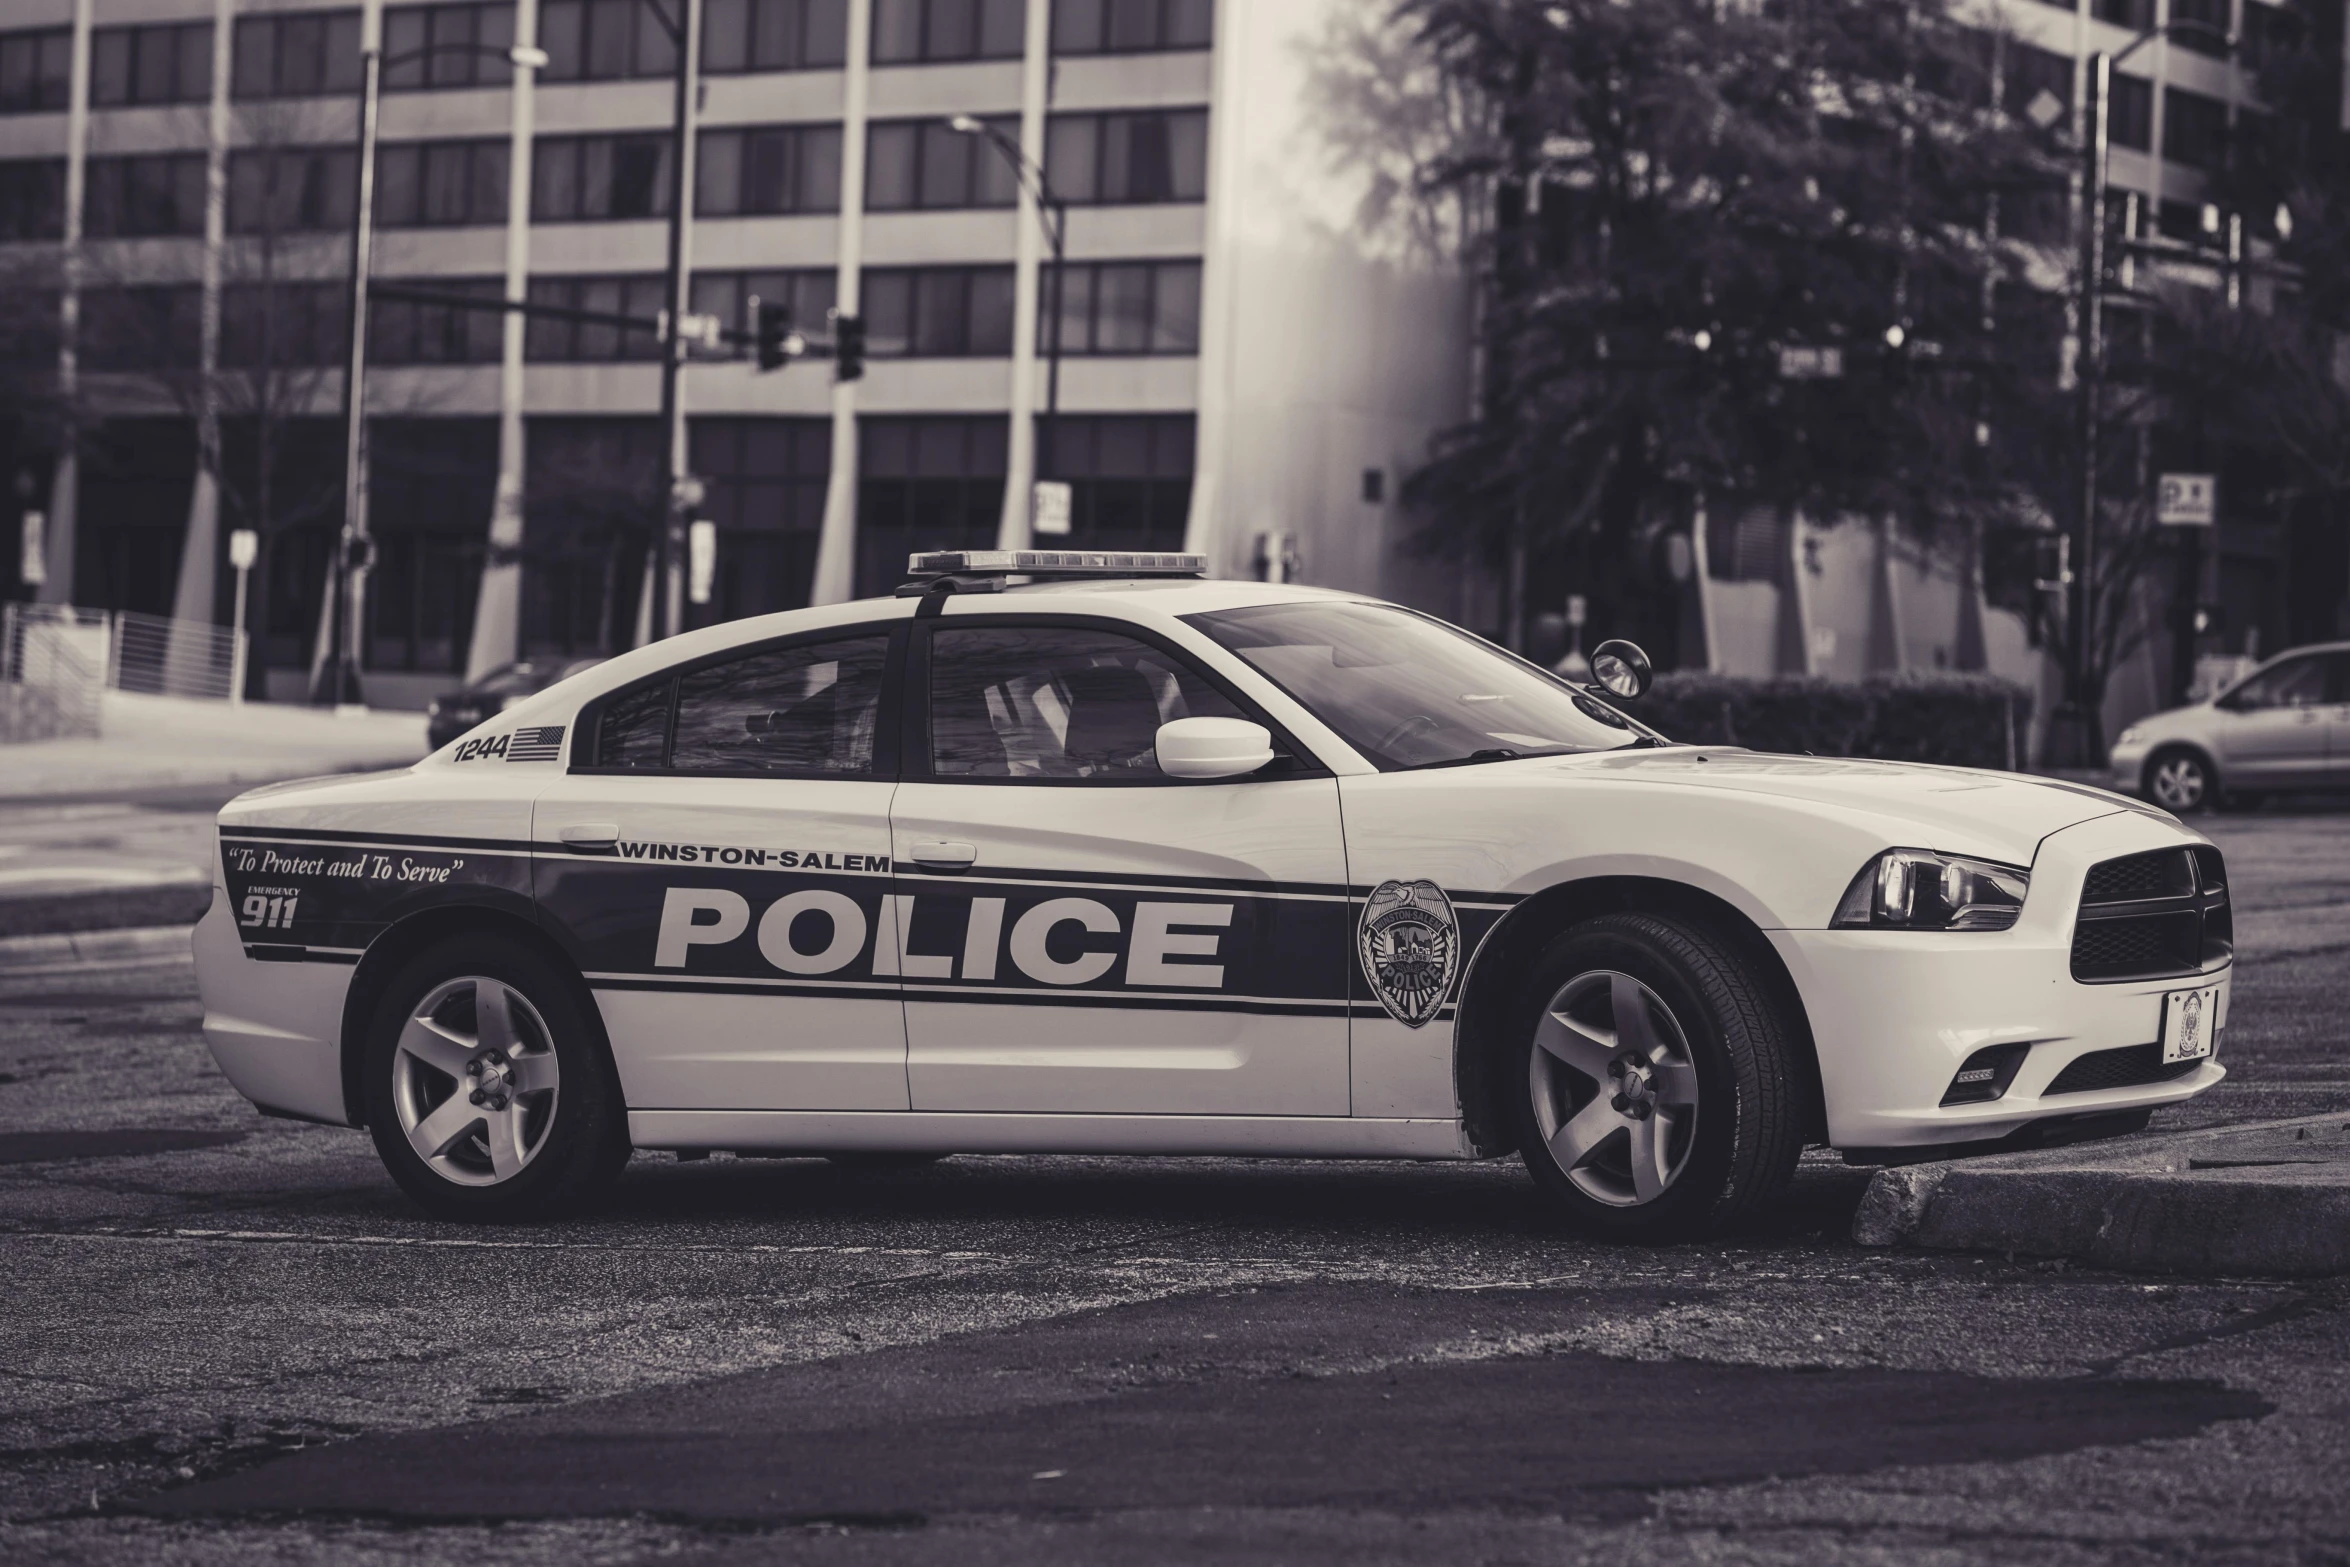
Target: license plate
<point x="2190" y="1024"/>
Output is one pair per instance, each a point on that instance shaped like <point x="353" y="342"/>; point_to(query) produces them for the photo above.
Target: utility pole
<point x="338" y="680"/>
<point x="1052" y="214"/>
<point x="684" y="29"/>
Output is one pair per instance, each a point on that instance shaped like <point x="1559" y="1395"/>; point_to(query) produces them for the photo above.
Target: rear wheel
<point x="2181" y="782"/>
<point x="490" y="1093"/>
<point x="1657" y="1090"/>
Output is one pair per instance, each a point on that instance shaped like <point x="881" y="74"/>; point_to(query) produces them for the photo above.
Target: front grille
<point x="2132" y="1066"/>
<point x="2159" y="915"/>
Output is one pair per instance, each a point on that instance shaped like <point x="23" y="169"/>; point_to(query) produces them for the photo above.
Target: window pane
<point x="767" y="171"/>
<point x="396" y="183"/>
<point x="656" y="51"/>
<point x="827" y="36"/>
<point x="1175" y="309"/>
<point x="726" y="36"/>
<point x="599" y="340"/>
<point x="991" y="311"/>
<point x="888" y="308"/>
<point x="1187" y="155"/>
<point x="1077" y="26"/>
<point x="897" y="31"/>
<point x="635" y="729"/>
<point x="819" y="172"/>
<point x="993" y="183"/>
<point x="718" y="174"/>
<point x="405" y="32"/>
<point x="717" y="294"/>
<point x="941" y="321"/>
<point x="1003" y="29"/>
<point x="547" y="338"/>
<point x="791" y="710"/>
<point x="1056" y="702"/>
<point x="110" y="66"/>
<point x="493" y="29"/>
<point x="889" y="167"/>
<point x="446" y="185"/>
<point x="1122" y="319"/>
<point x="611" y="27"/>
<point x="1133" y="24"/>
<point x="452" y="65"/>
<point x="341" y="66"/>
<point x="946" y="166"/>
<point x="559" y="34"/>
<point x="554" y="179"/>
<point x="256" y="56"/>
<point x="301" y="50"/>
<point x="954" y="30"/>
<point x="812" y="295"/>
<point x="1076" y="311"/>
<point x="1190" y="23"/>
<point x="489" y="182"/>
<point x="1069" y="157"/>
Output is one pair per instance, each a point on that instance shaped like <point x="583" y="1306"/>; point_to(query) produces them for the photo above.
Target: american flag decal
<point x="535" y="745"/>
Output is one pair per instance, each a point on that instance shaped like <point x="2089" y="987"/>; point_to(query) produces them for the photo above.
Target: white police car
<point x="1123" y="860"/>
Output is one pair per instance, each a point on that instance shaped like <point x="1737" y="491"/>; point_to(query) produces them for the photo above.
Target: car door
<point x="1085" y="934"/>
<point x="2272" y="730"/>
<point x="719" y="867"/>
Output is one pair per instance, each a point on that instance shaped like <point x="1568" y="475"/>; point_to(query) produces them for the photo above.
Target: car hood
<point x="1959" y="810"/>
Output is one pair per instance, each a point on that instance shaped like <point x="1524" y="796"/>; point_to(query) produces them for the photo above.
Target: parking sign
<point x="2186" y="500"/>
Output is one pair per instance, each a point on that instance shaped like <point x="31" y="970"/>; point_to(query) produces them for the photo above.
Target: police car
<point x="1079" y="852"/>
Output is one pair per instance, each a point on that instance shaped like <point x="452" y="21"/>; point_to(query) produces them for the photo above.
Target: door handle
<point x="590" y="835"/>
<point x="945" y="856"/>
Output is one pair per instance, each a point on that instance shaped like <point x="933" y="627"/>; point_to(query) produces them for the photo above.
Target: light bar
<point x="1055" y="563"/>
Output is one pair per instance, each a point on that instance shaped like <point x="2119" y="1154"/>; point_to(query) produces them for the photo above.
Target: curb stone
<point x="2270" y="1197"/>
<point x="146" y="944"/>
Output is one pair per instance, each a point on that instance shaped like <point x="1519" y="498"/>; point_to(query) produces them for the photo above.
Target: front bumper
<point x="2128" y="765"/>
<point x="1894" y="1014"/>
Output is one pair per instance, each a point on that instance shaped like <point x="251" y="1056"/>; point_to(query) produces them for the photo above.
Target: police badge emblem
<point x="1410" y="941"/>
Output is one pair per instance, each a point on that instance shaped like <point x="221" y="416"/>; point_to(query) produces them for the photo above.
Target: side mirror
<point x="1621" y="669"/>
<point x="1213" y="747"/>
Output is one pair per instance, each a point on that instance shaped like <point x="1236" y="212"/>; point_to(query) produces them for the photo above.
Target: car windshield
<point x="1410" y="691"/>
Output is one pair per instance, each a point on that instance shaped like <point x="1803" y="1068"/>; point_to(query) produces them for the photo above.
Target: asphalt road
<point x="230" y="1340"/>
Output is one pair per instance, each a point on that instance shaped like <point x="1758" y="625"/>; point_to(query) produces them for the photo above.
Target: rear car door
<point x="1084" y="933"/>
<point x="2272" y="730"/>
<point x="719" y="866"/>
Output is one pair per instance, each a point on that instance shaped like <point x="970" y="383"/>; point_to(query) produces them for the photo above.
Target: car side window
<point x="2300" y="683"/>
<point x="809" y="709"/>
<point x="1046" y="701"/>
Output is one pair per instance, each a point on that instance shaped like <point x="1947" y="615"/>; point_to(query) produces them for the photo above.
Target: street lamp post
<point x="339" y="679"/>
<point x="2076" y="728"/>
<point x="1052" y="214"/>
<point x="686" y="37"/>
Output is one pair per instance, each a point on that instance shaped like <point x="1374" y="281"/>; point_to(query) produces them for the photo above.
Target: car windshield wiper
<point x="1498" y="753"/>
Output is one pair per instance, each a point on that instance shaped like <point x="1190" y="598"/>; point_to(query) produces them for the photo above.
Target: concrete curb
<point x="2223" y="1201"/>
<point x="74" y="949"/>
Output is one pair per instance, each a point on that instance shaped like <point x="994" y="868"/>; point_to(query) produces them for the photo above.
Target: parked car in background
<point x="2284" y="726"/>
<point x="454" y="712"/>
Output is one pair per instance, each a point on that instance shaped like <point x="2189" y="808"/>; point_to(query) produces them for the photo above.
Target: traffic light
<point x="774" y="324"/>
<point x="848" y="348"/>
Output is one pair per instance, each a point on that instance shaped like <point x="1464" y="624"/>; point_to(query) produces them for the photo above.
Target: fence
<point x="55" y="659"/>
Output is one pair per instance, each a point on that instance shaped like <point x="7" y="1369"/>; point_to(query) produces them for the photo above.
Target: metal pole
<point x="674" y="291"/>
<point x="237" y="647"/>
<point x="1050" y="466"/>
<point x="2084" y="745"/>
<point x="342" y="682"/>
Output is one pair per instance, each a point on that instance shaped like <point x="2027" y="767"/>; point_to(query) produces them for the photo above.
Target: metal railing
<point x="158" y="656"/>
<point x="56" y="659"/>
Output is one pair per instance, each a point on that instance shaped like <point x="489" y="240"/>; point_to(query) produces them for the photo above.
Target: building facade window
<point x="922" y="164"/>
<point x="765" y="480"/>
<point x="29" y="328"/>
<point x="166" y="63"/>
<point x="2136" y="15"/>
<point x="284" y="324"/>
<point x="921" y="32"/>
<point x="937" y="312"/>
<point x="773" y="35"/>
<point x="440" y="184"/>
<point x="760" y="170"/>
<point x="2028" y="72"/>
<point x="148" y="327"/>
<point x="1155" y="155"/>
<point x="2130" y="123"/>
<point x="36" y="71"/>
<point x="1129" y="477"/>
<point x="2194" y="129"/>
<point x="431" y="483"/>
<point x="2211" y="38"/>
<point x="590" y="487"/>
<point x="808" y="294"/>
<point x="603" y="41"/>
<point x="292" y="190"/>
<point x="554" y="340"/>
<point x="586" y="179"/>
<point x="1131" y="26"/>
<point x="464" y="45"/>
<point x="306" y="54"/>
<point x="925" y="482"/>
<point x="32" y="198"/>
<point x="161" y="193"/>
<point x="1124" y="307"/>
<point x="413" y="332"/>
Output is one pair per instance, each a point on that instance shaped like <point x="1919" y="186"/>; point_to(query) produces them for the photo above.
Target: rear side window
<point x="808" y="710"/>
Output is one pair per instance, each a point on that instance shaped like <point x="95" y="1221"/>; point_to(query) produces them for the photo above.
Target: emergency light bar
<point x="1054" y="563"/>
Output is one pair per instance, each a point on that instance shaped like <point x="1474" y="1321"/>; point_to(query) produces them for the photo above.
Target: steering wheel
<point x="1418" y="723"/>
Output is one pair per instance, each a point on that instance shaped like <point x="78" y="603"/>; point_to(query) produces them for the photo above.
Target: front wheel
<point x="490" y="1094"/>
<point x="1657" y="1090"/>
<point x="2181" y="782"/>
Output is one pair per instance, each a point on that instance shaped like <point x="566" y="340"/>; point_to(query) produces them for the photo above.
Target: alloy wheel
<point x="1614" y="1088"/>
<point x="2179" y="783"/>
<point x="475" y="1081"/>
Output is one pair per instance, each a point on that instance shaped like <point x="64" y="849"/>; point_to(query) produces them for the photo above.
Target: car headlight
<point x="432" y="709"/>
<point x="2129" y="736"/>
<point x="1917" y="889"/>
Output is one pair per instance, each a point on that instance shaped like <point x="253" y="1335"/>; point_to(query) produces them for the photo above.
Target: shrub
<point x="1961" y="720"/>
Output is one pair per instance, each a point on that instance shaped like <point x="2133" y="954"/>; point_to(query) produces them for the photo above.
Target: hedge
<point x="1962" y="720"/>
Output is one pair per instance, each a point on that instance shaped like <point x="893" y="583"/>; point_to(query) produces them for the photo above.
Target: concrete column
<point x="65" y="483"/>
<point x="193" y="599"/>
<point x="1211" y="442"/>
<point x="836" y="547"/>
<point x="1027" y="281"/>
<point x="497" y="612"/>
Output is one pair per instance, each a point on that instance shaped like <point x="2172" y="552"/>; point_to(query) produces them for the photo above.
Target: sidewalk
<point x="153" y="742"/>
<point x="2269" y="1198"/>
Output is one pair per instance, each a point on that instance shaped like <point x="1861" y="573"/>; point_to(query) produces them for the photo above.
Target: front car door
<point x="1085" y="934"/>
<point x="719" y="867"/>
<point x="2272" y="729"/>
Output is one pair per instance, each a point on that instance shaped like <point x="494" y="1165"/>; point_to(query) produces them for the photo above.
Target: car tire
<point x="2181" y="781"/>
<point x="502" y="1123"/>
<point x="1655" y="1090"/>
